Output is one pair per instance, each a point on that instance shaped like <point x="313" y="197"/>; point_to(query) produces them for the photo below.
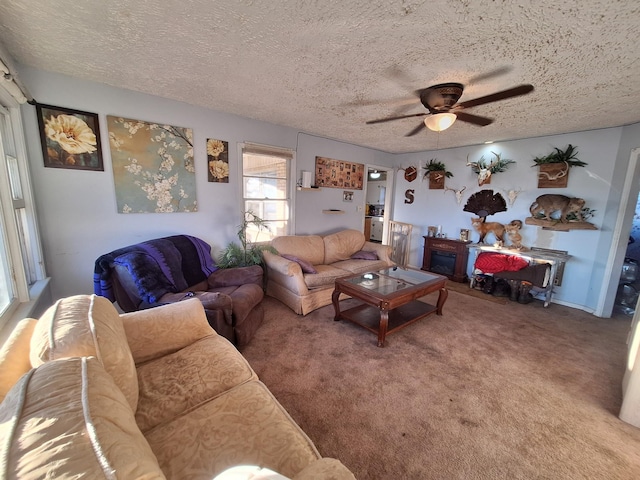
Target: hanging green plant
<point x="435" y="166"/>
<point x="568" y="156"/>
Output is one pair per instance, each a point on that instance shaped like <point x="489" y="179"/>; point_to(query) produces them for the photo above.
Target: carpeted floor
<point x="464" y="289"/>
<point x="485" y="391"/>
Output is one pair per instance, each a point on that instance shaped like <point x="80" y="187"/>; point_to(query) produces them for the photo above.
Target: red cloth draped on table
<point x="489" y="262"/>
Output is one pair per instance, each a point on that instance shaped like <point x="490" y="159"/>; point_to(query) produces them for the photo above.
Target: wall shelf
<point x="559" y="226"/>
<point x="333" y="211"/>
<point x="310" y="189"/>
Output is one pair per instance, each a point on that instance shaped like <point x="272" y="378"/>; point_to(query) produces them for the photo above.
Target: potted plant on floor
<point x="553" y="169"/>
<point x="436" y="172"/>
<point x="247" y="253"/>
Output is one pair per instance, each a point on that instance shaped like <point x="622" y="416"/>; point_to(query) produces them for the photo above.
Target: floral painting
<point x="218" y="160"/>
<point x="153" y="167"/>
<point x="70" y="138"/>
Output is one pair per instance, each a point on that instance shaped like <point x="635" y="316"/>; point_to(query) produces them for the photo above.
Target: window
<point x="267" y="189"/>
<point x="20" y="255"/>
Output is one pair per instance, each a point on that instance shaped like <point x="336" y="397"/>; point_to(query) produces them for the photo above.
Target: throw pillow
<point x="365" y="255"/>
<point x="306" y="266"/>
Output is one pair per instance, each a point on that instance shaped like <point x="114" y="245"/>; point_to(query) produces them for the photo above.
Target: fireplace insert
<point x="447" y="257"/>
<point x="443" y="263"/>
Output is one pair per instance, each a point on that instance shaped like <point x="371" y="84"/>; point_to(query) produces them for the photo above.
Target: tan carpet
<point x="464" y="289"/>
<point x="485" y="391"/>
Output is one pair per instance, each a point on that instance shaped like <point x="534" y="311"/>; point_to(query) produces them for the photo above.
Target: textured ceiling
<point x="326" y="67"/>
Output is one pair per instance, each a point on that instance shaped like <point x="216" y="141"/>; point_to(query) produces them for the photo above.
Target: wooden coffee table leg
<point x="442" y="297"/>
<point x="382" y="328"/>
<point x="335" y="299"/>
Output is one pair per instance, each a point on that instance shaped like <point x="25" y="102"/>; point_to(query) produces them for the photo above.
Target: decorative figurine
<point x="513" y="231"/>
<point x="483" y="228"/>
<point x="550" y="203"/>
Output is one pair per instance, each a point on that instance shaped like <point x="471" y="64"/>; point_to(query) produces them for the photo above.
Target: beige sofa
<point x="331" y="258"/>
<point x="89" y="393"/>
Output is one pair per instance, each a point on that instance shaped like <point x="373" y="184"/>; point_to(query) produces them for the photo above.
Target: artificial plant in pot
<point x="247" y="253"/>
<point x="436" y="172"/>
<point x="554" y="168"/>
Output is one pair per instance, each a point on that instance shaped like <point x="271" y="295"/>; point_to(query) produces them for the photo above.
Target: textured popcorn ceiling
<point x="325" y="67"/>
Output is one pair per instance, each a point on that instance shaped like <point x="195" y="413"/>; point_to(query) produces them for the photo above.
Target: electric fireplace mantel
<point x="446" y="257"/>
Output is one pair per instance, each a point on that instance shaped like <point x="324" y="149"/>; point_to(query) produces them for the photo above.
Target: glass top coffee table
<point x="390" y="299"/>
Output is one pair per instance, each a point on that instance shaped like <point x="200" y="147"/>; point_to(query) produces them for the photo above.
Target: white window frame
<point x="25" y="297"/>
<point x="291" y="181"/>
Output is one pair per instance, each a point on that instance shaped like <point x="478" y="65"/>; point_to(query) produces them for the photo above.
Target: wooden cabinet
<point x="367" y="228"/>
<point x="446" y="257"/>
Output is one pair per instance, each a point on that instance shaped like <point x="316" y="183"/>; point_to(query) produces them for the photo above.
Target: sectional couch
<point x="303" y="274"/>
<point x="154" y="394"/>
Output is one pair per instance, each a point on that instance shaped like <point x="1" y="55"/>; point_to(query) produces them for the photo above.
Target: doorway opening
<point x="629" y="282"/>
<point x="378" y="195"/>
<point x="615" y="274"/>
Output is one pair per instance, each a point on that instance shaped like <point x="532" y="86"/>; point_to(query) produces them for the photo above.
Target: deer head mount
<point x="485" y="170"/>
<point x="457" y="192"/>
<point x="512" y="194"/>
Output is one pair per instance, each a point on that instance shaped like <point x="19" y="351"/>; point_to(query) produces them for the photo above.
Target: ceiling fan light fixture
<point x="440" y="121"/>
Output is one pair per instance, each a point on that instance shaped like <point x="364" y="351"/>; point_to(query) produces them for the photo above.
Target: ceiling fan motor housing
<point x="443" y="99"/>
<point x="440" y="98"/>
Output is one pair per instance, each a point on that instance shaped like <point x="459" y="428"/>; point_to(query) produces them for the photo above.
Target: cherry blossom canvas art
<point x="153" y="166"/>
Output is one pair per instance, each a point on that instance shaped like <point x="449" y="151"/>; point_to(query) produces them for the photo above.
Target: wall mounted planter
<point x="553" y="175"/>
<point x="436" y="179"/>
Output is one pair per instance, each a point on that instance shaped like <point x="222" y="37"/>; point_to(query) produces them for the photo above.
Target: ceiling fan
<point x="443" y="109"/>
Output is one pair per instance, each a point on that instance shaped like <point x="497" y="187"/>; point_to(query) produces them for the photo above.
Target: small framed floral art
<point x="70" y="138"/>
<point x="218" y="160"/>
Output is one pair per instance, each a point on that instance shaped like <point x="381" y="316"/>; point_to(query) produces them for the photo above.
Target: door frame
<point x="620" y="238"/>
<point x="388" y="198"/>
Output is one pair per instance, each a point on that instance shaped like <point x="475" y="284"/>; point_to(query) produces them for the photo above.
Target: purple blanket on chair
<point x="159" y="266"/>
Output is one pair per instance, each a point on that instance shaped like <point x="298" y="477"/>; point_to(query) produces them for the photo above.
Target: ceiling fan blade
<point x="415" y="130"/>
<point x="496" y="72"/>
<point x="494" y="97"/>
<point x="398" y="75"/>
<point x="475" y="119"/>
<point x="388" y="119"/>
<point x="405" y="106"/>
